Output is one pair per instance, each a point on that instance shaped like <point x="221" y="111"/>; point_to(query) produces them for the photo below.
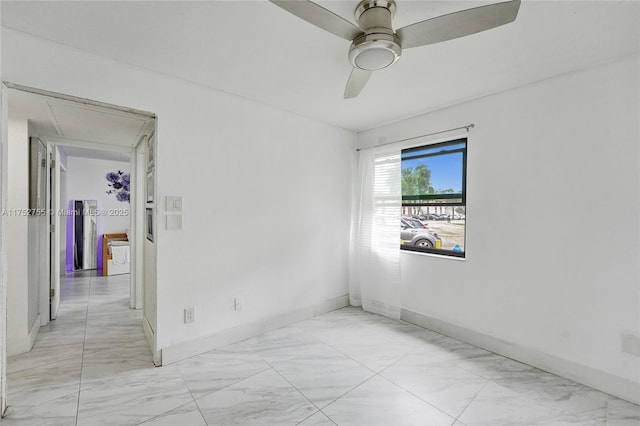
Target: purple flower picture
<point x="114" y="177"/>
<point x="119" y="184"/>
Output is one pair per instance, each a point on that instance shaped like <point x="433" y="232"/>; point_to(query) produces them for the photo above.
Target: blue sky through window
<point x="446" y="170"/>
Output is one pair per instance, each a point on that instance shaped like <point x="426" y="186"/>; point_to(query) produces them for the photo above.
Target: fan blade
<point x="458" y="24"/>
<point x="320" y="17"/>
<point x="357" y="80"/>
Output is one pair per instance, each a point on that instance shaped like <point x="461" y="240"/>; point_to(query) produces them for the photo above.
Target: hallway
<point x="95" y="340"/>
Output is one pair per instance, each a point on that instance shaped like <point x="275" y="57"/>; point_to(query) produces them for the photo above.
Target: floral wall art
<point x="119" y="185"/>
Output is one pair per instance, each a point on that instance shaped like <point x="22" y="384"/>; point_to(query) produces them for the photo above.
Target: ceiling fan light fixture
<point x="373" y="52"/>
<point x="374" y="59"/>
<point x="376" y="45"/>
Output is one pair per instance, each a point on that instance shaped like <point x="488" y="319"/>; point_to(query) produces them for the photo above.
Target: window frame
<point x="462" y="196"/>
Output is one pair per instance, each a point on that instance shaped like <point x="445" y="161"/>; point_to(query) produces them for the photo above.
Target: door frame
<point x="43" y="237"/>
<point x="4" y="119"/>
<point x="55" y="142"/>
<point x="136" y="224"/>
<point x="53" y="203"/>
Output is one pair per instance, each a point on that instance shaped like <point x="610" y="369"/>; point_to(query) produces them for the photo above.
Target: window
<point x="434" y="195"/>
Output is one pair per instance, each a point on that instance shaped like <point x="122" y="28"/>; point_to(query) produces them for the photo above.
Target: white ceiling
<point x="83" y="130"/>
<point x="96" y="154"/>
<point x="258" y="51"/>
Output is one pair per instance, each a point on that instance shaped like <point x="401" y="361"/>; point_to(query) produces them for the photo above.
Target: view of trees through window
<point x="434" y="197"/>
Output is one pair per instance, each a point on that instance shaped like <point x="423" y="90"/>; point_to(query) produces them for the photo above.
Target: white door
<point x="3" y="295"/>
<point x="55" y="226"/>
<point x="39" y="240"/>
<point x="146" y="206"/>
<point x="149" y="292"/>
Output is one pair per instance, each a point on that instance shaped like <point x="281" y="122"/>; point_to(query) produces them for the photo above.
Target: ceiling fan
<point x="374" y="43"/>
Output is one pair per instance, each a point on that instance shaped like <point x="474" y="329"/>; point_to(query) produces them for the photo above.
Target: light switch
<point x="173" y="204"/>
<point x="174" y="222"/>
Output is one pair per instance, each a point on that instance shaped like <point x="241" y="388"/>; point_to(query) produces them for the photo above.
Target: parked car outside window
<point x="413" y="223"/>
<point x="418" y="237"/>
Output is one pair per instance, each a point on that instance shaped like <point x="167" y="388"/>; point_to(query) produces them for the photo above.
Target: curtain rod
<point x="467" y="127"/>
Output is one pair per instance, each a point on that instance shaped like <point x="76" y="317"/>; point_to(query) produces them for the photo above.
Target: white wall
<point x="17" y="233"/>
<point x="86" y="180"/>
<point x="266" y="192"/>
<point x="266" y="212"/>
<point x="551" y="273"/>
<point x="22" y="288"/>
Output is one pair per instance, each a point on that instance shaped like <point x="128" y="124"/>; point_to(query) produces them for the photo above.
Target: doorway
<point x="78" y="131"/>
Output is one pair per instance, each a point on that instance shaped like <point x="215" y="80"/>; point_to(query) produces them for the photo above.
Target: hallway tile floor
<point x="93" y="366"/>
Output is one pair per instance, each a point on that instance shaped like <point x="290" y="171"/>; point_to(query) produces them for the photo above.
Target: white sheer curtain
<point x="374" y="280"/>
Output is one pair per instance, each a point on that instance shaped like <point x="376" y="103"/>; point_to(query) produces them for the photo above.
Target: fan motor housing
<point x="378" y="47"/>
<point x="375" y="13"/>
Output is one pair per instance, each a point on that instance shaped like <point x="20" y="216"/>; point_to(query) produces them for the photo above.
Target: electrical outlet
<point x="189" y="315"/>
<point x="237" y="304"/>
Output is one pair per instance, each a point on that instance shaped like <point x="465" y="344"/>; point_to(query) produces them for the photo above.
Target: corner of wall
<point x="204" y="344"/>
<point x="601" y="380"/>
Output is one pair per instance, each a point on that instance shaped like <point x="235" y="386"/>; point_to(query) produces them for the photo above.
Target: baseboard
<point x="22" y="344"/>
<point x="201" y="345"/>
<point x="381" y="308"/>
<point x="597" y="379"/>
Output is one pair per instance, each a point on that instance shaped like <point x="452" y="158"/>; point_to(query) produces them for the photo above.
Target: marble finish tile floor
<point x="92" y="366"/>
